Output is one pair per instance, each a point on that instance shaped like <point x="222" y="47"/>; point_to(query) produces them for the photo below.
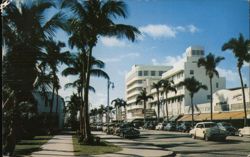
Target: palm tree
<point x="75" y="68"/>
<point x="52" y="57"/>
<point x="91" y="20"/>
<point x="101" y="111"/>
<point x="119" y="102"/>
<point x="157" y="86"/>
<point x="143" y="97"/>
<point x="167" y="86"/>
<point x="23" y="42"/>
<point x="240" y="49"/>
<point x="193" y="86"/>
<point x="210" y="62"/>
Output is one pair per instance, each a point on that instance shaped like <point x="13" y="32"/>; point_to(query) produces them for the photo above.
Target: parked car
<point x="184" y="127"/>
<point x="128" y="131"/>
<point x="159" y="126"/>
<point x="244" y="131"/>
<point x="170" y="127"/>
<point x="228" y="128"/>
<point x="149" y="125"/>
<point x="208" y="131"/>
<point x="110" y="128"/>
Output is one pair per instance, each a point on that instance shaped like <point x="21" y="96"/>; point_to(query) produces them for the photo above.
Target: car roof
<point x="206" y="123"/>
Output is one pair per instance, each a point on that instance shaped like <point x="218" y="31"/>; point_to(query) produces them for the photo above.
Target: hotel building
<point x="141" y="76"/>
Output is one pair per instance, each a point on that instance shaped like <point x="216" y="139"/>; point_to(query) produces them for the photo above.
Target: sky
<point x="167" y="28"/>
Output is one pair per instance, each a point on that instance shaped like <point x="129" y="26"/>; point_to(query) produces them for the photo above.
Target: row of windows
<point x="197" y="52"/>
<point x="150" y="73"/>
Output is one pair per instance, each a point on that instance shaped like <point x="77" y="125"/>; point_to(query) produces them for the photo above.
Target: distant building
<point x="43" y="108"/>
<point x="140" y="76"/>
<point x="179" y="103"/>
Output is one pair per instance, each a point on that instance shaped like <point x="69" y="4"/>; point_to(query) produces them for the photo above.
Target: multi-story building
<point x="140" y="76"/>
<point x="179" y="103"/>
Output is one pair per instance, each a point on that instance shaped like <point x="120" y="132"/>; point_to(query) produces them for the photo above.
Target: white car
<point x="208" y="131"/>
<point x="244" y="131"/>
<point x="159" y="126"/>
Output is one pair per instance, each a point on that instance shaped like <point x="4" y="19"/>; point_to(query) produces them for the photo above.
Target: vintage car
<point x="244" y="131"/>
<point x="208" y="131"/>
<point x="228" y="128"/>
<point x="184" y="127"/>
<point x="159" y="126"/>
<point x="170" y="127"/>
<point x="128" y="131"/>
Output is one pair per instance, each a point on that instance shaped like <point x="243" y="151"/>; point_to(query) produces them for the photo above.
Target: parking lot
<point x="183" y="145"/>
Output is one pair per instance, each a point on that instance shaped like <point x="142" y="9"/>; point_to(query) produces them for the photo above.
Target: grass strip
<point x="102" y="148"/>
<point x="26" y="147"/>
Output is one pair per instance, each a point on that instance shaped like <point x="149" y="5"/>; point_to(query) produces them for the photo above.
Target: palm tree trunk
<point x="243" y="95"/>
<point x="57" y="100"/>
<point x="116" y="114"/>
<point x="125" y="111"/>
<point x="158" y="108"/>
<point x="144" y="113"/>
<point x="167" y="107"/>
<point x="80" y="119"/>
<point x="52" y="100"/>
<point x="87" y="136"/>
<point x="211" y="99"/>
<point x="192" y="105"/>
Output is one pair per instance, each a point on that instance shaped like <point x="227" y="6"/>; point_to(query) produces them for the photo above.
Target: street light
<point x="112" y="86"/>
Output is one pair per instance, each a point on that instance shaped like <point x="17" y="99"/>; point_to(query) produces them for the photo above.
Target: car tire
<point x="206" y="138"/>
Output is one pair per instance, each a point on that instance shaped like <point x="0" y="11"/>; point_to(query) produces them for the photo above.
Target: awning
<point x="216" y="116"/>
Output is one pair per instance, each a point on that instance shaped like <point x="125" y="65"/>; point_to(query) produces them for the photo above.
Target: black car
<point x="127" y="130"/>
<point x="184" y="127"/>
<point x="227" y="127"/>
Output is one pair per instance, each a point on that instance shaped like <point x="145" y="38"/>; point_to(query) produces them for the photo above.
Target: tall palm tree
<point x="193" y="86"/>
<point x="101" y="111"/>
<point x="167" y="86"/>
<point x="75" y="68"/>
<point x="240" y="48"/>
<point x="23" y="42"/>
<point x="210" y="62"/>
<point x="96" y="17"/>
<point x="143" y="97"/>
<point x="157" y="86"/>
<point x="117" y="105"/>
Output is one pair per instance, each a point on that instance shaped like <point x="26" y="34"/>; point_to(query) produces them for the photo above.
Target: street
<point x="183" y="145"/>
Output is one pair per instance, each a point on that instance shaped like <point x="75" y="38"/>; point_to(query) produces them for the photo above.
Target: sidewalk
<point x="58" y="146"/>
<point x="131" y="148"/>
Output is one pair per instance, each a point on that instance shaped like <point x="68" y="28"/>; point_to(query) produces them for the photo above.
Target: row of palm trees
<point x="32" y="54"/>
<point x="240" y="48"/>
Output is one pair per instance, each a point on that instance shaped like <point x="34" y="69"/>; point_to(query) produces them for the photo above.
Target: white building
<point x="140" y="76"/>
<point x="179" y="103"/>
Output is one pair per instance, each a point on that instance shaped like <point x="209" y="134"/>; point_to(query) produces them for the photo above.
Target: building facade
<point x="180" y="102"/>
<point x="140" y="76"/>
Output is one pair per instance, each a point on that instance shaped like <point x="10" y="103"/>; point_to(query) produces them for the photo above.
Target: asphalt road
<point x="184" y="146"/>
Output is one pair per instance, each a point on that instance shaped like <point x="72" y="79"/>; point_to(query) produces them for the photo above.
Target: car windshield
<point x="210" y="125"/>
<point x="226" y="124"/>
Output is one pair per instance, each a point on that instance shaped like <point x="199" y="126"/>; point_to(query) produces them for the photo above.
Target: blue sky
<point x="168" y="27"/>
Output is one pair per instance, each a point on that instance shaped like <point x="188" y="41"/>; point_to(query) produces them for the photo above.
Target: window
<point x="217" y="85"/>
<point x="208" y="97"/>
<point x="199" y="126"/>
<point x="191" y="72"/>
<point x="139" y="81"/>
<point x="145" y="73"/>
<point x="139" y="73"/>
<point x="160" y="73"/>
<point x="152" y="73"/>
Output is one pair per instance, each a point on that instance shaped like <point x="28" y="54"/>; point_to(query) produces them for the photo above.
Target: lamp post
<point x="108" y="86"/>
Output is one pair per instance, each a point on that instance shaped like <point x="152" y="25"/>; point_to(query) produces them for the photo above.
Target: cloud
<point x="232" y="77"/>
<point x="121" y="57"/>
<point x="176" y="61"/>
<point x="112" y="42"/>
<point x="165" y="31"/>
